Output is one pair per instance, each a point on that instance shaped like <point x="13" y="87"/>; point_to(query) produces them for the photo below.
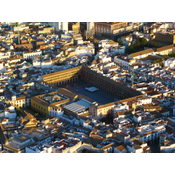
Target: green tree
<point x="130" y="49"/>
<point x="160" y="60"/>
<point x="154" y="62"/>
<point x="18" y="111"/>
<point x="143" y="41"/>
<point x="120" y="42"/>
<point x="36" y="114"/>
<point x="137" y="43"/>
<point x="166" y="56"/>
<point x="161" y="64"/>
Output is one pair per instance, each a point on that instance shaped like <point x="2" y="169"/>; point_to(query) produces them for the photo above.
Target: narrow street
<point x="155" y="148"/>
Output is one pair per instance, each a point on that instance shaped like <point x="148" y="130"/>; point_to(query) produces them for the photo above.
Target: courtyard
<point x="99" y="96"/>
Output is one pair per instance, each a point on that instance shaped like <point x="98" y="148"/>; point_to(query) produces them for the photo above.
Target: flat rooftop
<point x="21" y="139"/>
<point x="99" y="96"/>
<point x="78" y="106"/>
<point x="51" y="98"/>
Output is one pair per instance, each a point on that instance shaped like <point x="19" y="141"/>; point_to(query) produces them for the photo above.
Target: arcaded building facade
<point x="63" y="77"/>
<point x="92" y="77"/>
<point x="82" y="72"/>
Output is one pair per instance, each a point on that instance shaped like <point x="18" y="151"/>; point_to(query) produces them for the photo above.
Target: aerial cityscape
<point x="87" y="87"/>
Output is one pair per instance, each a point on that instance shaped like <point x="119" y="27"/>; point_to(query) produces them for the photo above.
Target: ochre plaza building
<point x="82" y="72"/>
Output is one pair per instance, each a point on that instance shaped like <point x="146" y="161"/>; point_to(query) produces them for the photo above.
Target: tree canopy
<point x="154" y="62"/>
<point x="143" y="41"/>
<point x="18" y="111"/>
<point x="139" y="45"/>
<point x="120" y="42"/>
<point x="159" y="61"/>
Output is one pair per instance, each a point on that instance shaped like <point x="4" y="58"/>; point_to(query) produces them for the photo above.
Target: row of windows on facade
<point x="19" y="104"/>
<point x="42" y="107"/>
<point x="38" y="106"/>
<point x="54" y="109"/>
<point x="62" y="75"/>
<point x="103" y="30"/>
<point x="18" y="101"/>
<point x="102" y="82"/>
<point x="41" y="112"/>
<point x="27" y="56"/>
